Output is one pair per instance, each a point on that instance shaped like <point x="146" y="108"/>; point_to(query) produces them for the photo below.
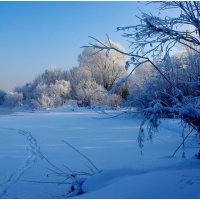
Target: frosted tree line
<point x="87" y="84"/>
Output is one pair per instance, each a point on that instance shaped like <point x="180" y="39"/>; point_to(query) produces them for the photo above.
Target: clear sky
<point x="35" y="36"/>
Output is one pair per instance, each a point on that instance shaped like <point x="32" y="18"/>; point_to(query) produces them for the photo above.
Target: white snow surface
<point x="111" y="144"/>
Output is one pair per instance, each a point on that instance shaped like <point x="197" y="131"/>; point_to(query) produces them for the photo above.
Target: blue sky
<point x="35" y="36"/>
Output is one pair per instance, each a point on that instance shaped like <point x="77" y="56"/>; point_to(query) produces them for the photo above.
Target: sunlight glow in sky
<point x="35" y="36"/>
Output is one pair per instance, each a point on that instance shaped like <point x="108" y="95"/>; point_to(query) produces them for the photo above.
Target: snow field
<point x="110" y="143"/>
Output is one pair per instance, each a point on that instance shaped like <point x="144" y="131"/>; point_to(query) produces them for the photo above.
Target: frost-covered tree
<point x="52" y="95"/>
<point x="75" y="76"/>
<point x="13" y="99"/>
<point x="47" y="90"/>
<point x="151" y="41"/>
<point x="180" y="70"/>
<point x="106" y="69"/>
<point x="59" y="92"/>
<point x="144" y="87"/>
<point x="89" y="92"/>
<point x="28" y="94"/>
<point x="50" y="76"/>
<point x="86" y="89"/>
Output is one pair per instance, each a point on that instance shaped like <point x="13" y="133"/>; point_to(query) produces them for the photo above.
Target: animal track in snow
<point x="35" y="154"/>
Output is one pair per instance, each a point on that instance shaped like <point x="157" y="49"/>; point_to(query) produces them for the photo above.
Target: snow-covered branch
<point x="155" y="36"/>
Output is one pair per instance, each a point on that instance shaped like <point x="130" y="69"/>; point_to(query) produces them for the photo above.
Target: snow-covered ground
<point x="29" y="140"/>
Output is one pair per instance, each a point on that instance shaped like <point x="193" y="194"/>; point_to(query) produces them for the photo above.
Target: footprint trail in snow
<point x="35" y="154"/>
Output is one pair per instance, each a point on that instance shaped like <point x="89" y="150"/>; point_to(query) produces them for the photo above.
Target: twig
<point x="50" y="163"/>
<point x="67" y="168"/>
<point x="92" y="171"/>
<point x="55" y="172"/>
<point x="182" y="143"/>
<point x="75" y="149"/>
<point x="79" y="173"/>
<point x="113" y="116"/>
